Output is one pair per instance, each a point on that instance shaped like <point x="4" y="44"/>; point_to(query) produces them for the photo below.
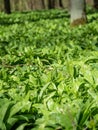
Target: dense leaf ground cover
<point x="48" y="72"/>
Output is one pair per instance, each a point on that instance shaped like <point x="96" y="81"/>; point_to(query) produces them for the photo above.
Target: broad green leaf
<point x="2" y="126"/>
<point x="21" y="127"/>
<point x="18" y="107"/>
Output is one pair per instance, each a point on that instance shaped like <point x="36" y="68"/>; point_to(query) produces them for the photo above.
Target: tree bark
<point x="66" y="3"/>
<point x="37" y="4"/>
<point x="51" y="4"/>
<point x="56" y="4"/>
<point x="43" y="4"/>
<point x="78" y="12"/>
<point x="7" y="6"/>
<point x="14" y="5"/>
<point x="61" y="4"/>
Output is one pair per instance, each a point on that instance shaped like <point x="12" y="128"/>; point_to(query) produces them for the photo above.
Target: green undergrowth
<point x="48" y="72"/>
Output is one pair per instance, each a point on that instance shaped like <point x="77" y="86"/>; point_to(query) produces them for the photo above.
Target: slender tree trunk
<point x="96" y="4"/>
<point x="61" y="4"/>
<point x="43" y="4"/>
<point x="51" y="4"/>
<point x="46" y="4"/>
<point x="37" y="4"/>
<point x="66" y="3"/>
<point x="56" y="4"/>
<point x="78" y="12"/>
<point x="14" y="5"/>
<point x="7" y="6"/>
<point x="30" y="4"/>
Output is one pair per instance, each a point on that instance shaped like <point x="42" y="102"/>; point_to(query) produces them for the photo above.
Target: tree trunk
<point x="61" y="4"/>
<point x="14" y="5"/>
<point x="37" y="4"/>
<point x="96" y="4"/>
<point x="66" y="4"/>
<point x="78" y="12"/>
<point x="51" y="4"/>
<point x="7" y="6"/>
<point x="43" y="4"/>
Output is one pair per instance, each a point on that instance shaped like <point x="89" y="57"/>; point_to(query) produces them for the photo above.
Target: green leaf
<point x="84" y="114"/>
<point x="5" y="106"/>
<point x="2" y="126"/>
<point x="21" y="127"/>
<point x="43" y="90"/>
<point x="18" y="107"/>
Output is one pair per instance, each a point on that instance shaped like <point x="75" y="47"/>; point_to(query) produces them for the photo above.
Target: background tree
<point x="96" y="4"/>
<point x="78" y="12"/>
<point x="27" y="5"/>
<point x="58" y="4"/>
<point x="61" y="4"/>
<point x="51" y="4"/>
<point x="7" y="6"/>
